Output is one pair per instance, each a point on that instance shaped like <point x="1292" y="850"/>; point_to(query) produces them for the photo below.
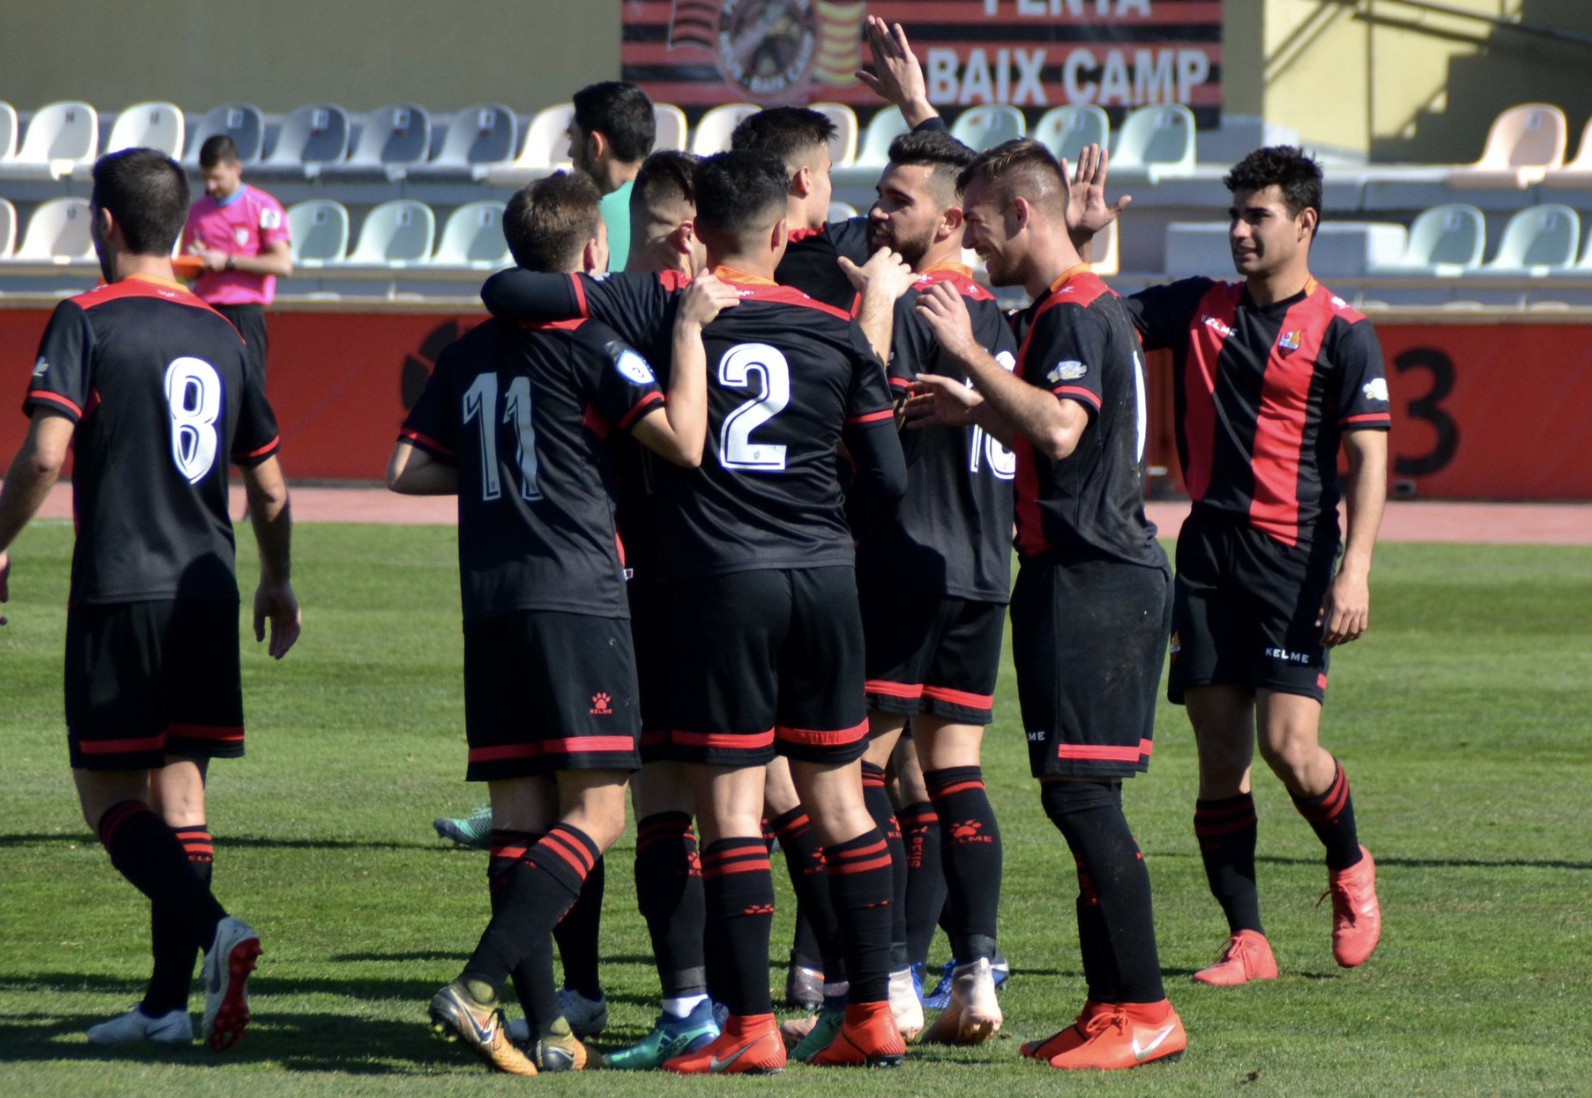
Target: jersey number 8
<point x="193" y="393"/>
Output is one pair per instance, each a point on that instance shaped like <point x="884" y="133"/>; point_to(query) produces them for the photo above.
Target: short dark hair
<point x="218" y="148"/>
<point x="1023" y="166"/>
<point x="146" y="194"/>
<point x="787" y="132"/>
<point x="622" y="113"/>
<point x="666" y="172"/>
<point x="1283" y="166"/>
<point x="548" y="222"/>
<point x="937" y="150"/>
<point x="739" y="193"/>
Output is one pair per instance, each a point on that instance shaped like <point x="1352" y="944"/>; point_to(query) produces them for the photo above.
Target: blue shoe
<point x="473" y="831"/>
<point x="917" y="979"/>
<point x="940" y="997"/>
<point x="1000" y="968"/>
<point x="669" y="1038"/>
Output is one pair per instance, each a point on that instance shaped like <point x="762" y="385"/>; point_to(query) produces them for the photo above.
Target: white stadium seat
<point x="242" y="122"/>
<point x="1154" y="142"/>
<point x="1523" y="144"/>
<point x="713" y="129"/>
<point x="8" y="132"/>
<point x="1066" y="130"/>
<point x="395" y="234"/>
<point x="8" y="228"/>
<point x="672" y="128"/>
<point x="154" y="125"/>
<point x="984" y="127"/>
<point x="310" y="137"/>
<point x="1535" y="241"/>
<point x="478" y="138"/>
<point x="319" y="228"/>
<point x="60" y="138"/>
<point x="58" y="232"/>
<point x="392" y="139"/>
<point x="843" y="146"/>
<point x="473" y="237"/>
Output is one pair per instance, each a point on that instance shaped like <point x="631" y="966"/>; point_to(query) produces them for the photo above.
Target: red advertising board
<point x="1033" y="54"/>
<point x="1489" y="411"/>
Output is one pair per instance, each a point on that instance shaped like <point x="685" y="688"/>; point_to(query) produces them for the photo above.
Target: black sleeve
<point x="257" y="437"/>
<point x="1067" y="354"/>
<point x="1361" y="398"/>
<point x="935" y="123"/>
<point x="850" y="238"/>
<point x="634" y="305"/>
<point x="879" y="476"/>
<point x="63" y="372"/>
<point x="429" y="426"/>
<point x="1162" y="313"/>
<point x="622" y="385"/>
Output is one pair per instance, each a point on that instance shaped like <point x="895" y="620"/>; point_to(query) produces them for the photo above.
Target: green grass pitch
<point x="1462" y="719"/>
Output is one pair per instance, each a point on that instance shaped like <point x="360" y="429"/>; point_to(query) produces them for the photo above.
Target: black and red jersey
<point x="951" y="534"/>
<point x="163" y="395"/>
<point x="1077" y="342"/>
<point x="1263" y="395"/>
<point x="812" y="261"/>
<point x="522" y="414"/>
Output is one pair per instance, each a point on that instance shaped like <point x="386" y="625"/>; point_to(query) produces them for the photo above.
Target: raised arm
<point x="897" y="75"/>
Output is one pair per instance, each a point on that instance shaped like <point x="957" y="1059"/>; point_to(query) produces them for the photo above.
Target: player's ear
<point x="801" y="183"/>
<point x="1022" y="212"/>
<point x="599" y="145"/>
<point x="780" y="234"/>
<point x="1306" y="221"/>
<point x="950" y="224"/>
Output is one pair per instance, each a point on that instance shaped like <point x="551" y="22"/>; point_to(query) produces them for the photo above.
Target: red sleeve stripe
<point x="900" y="383"/>
<point x="276" y="441"/>
<point x="871" y="417"/>
<point x="410" y="435"/>
<point x="57" y="399"/>
<point x="643" y="405"/>
<point x="1369" y="417"/>
<point x="580" y="295"/>
<point x="1080" y="394"/>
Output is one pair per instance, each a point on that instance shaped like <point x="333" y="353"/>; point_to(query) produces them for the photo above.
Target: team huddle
<point x="735" y="532"/>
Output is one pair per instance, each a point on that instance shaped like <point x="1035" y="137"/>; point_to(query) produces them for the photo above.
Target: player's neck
<point x="799" y="217"/>
<point x="947" y="253"/>
<point x="148" y="266"/>
<point x="1052" y="263"/>
<point x="1268" y="289"/>
<point x="760" y="265"/>
<point x="613" y="174"/>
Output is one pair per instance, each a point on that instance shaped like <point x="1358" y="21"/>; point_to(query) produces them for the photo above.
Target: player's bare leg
<point x="949" y="753"/>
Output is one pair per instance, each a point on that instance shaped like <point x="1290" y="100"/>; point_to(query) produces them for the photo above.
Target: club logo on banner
<point x="770" y="48"/>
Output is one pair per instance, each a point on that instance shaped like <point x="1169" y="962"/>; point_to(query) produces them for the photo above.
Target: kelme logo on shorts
<point x="600" y="705"/>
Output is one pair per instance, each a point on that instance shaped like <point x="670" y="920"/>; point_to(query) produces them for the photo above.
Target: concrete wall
<point x="281" y="54"/>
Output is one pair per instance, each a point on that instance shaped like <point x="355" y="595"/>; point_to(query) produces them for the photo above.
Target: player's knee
<point x="1065" y="800"/>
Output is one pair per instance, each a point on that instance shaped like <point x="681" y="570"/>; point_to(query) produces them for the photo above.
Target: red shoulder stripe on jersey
<point x="55" y="398"/>
<point x="1369" y="417"/>
<point x="410" y="435"/>
<point x="139" y="286"/>
<point x="957" y="275"/>
<point x="580" y="295"/>
<point x="555" y="325"/>
<point x="595" y="423"/>
<point x="645" y="404"/>
<point x="673" y="280"/>
<point x="782" y="295"/>
<point x="900" y="382"/>
<point x="813" y="737"/>
<point x="266" y="449"/>
<point x="796" y="236"/>
<point x="871" y="417"/>
<point x="1078" y="393"/>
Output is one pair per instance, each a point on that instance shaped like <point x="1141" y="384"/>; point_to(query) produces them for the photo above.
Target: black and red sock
<point x="147" y="852"/>
<point x="877" y="799"/>
<point x="533" y="973"/>
<point x="860" y="883"/>
<point x="1094" y="943"/>
<point x="1332" y="816"/>
<point x="970" y="845"/>
<point x="529" y="900"/>
<point x="669" y="893"/>
<point x="1226" y="831"/>
<point x="578" y="934"/>
<point x="920" y="837"/>
<point x="174" y="953"/>
<point x="738" y="886"/>
<point x="804" y="860"/>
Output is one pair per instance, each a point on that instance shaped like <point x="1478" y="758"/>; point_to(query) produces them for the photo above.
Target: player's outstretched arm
<point x="897" y="75"/>
<point x="412" y="471"/>
<point x="33" y="473"/>
<point x="272" y="518"/>
<point x="1346" y="613"/>
<point x="533" y="296"/>
<point x="880" y="281"/>
<point x="678" y="431"/>
<point x="1051" y="426"/>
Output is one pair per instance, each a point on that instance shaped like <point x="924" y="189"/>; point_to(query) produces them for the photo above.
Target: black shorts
<point x="764" y="661"/>
<point x="931" y="653"/>
<point x="1245" y="607"/>
<point x="249" y="320"/>
<point x="1088" y="641"/>
<point x="649" y="630"/>
<point x="546" y="691"/>
<point x="145" y="680"/>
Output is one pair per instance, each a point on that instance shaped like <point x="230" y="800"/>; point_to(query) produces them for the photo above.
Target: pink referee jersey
<point x="244" y="225"/>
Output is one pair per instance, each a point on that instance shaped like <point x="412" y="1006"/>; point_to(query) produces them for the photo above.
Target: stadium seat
<point x="8" y="228"/>
<point x="1444" y="240"/>
<point x="1576" y="175"/>
<point x="395" y="234"/>
<point x="1066" y="130"/>
<point x="153" y="125"/>
<point x="860" y="176"/>
<point x="547" y="139"/>
<point x="58" y="232"/>
<point x="473" y="237"/>
<point x="59" y="138"/>
<point x="843" y="146"/>
<point x="478" y="137"/>
<point x="392" y="139"/>
<point x="713" y="129"/>
<point x="319" y="228"/>
<point x="841" y="211"/>
<point x="672" y="128"/>
<point x="1154" y="142"/>
<point x="984" y="127"/>
<point x="8" y="132"/>
<point x="1523" y="145"/>
<point x="242" y="122"/>
<point x="310" y="138"/>
<point x="1536" y="240"/>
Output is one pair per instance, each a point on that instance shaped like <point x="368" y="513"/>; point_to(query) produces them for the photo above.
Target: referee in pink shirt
<point x="241" y="235"/>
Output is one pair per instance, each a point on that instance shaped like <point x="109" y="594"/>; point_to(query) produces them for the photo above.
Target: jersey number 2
<point x="736" y="448"/>
<point x="193" y="393"/>
<point x="480" y="402"/>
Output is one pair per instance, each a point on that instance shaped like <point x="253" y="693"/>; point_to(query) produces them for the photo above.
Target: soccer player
<point x="512" y="422"/>
<point x="1091" y="602"/>
<point x="1274" y="376"/>
<point x="934" y="579"/>
<point x="610" y="133"/>
<point x="241" y="235"/>
<point x="765" y="638"/>
<point x="154" y="392"/>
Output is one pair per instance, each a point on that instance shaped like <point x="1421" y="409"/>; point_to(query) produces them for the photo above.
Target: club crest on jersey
<point x="240" y="236"/>
<point x="270" y="219"/>
<point x="41" y="367"/>
<point x="1070" y="370"/>
<point x="633" y="367"/>
<point x="1289" y="342"/>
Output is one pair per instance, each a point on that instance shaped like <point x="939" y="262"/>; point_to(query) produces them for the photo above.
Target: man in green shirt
<point x="610" y="134"/>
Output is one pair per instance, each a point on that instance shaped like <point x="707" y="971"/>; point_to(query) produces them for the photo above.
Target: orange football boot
<point x="868" y="1038"/>
<point x="749" y="1045"/>
<point x="1125" y="1036"/>
<point x="1245" y="957"/>
<point x="1356" y="914"/>
<point x="1069" y="1038"/>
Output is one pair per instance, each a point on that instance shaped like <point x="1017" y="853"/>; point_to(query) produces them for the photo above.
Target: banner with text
<point x="1032" y="54"/>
